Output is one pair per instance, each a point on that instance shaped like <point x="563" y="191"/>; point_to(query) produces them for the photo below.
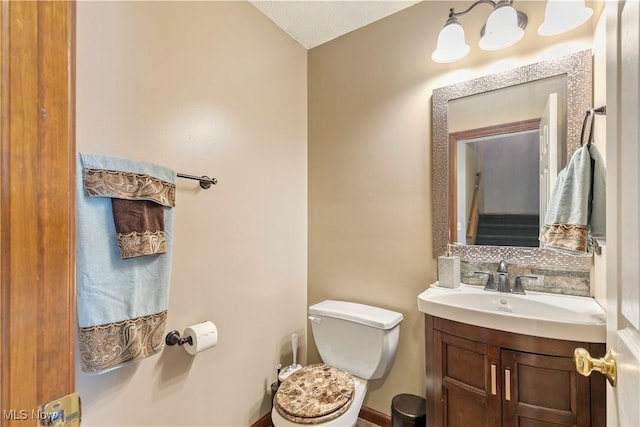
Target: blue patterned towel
<point x="122" y="301"/>
<point x="577" y="205"/>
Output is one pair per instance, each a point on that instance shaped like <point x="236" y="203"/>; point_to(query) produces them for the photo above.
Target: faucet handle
<point x="517" y="286"/>
<point x="491" y="284"/>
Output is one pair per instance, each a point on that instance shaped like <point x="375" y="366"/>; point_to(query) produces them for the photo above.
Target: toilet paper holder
<point x="195" y="338"/>
<point x="173" y="338"/>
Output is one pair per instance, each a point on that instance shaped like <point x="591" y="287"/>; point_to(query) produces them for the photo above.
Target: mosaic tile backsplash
<point x="571" y="277"/>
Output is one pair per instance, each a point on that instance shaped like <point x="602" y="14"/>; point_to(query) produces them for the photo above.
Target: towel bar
<point x="205" y="181"/>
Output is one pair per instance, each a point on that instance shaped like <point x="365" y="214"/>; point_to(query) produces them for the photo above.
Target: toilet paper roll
<point x="203" y="336"/>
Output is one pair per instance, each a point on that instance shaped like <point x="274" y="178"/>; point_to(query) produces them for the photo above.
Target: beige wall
<point x="369" y="163"/>
<point x="215" y="88"/>
<point x="205" y="88"/>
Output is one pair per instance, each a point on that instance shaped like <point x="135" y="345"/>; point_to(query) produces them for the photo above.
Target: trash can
<point x="408" y="410"/>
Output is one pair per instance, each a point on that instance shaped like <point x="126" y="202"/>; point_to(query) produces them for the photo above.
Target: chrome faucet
<point x="503" y="280"/>
<point x="503" y="277"/>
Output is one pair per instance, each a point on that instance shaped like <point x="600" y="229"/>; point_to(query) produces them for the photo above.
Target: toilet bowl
<point x="357" y="343"/>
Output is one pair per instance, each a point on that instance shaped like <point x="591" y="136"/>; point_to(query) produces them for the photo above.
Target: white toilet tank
<point x="356" y="338"/>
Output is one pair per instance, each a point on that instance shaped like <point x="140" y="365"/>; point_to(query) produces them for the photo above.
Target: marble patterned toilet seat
<point x="315" y="394"/>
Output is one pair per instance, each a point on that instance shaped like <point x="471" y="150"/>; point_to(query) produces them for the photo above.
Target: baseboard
<point x="368" y="414"/>
<point x="265" y="421"/>
<point x="375" y="417"/>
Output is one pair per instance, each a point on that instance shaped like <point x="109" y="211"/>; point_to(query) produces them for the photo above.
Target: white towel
<point x="576" y="210"/>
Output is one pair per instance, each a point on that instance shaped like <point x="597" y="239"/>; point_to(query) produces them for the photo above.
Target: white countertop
<point x="540" y="314"/>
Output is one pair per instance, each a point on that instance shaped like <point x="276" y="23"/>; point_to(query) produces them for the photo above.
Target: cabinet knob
<point x="585" y="364"/>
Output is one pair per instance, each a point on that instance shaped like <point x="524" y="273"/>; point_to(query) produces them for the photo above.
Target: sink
<point x="539" y="314"/>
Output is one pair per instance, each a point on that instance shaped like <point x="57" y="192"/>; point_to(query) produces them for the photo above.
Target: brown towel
<point x="137" y="202"/>
<point x="140" y="227"/>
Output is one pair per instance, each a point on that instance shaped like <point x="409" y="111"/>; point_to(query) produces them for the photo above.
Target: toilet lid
<point x="315" y="394"/>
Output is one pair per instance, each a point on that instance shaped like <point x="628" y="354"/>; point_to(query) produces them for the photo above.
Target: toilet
<point x="357" y="343"/>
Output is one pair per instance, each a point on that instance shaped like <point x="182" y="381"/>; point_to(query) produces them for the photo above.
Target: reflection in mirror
<point x="481" y="125"/>
<point x="496" y="185"/>
<point x="502" y="173"/>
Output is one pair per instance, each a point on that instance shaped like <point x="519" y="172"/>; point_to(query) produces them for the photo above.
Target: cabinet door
<point x="470" y="391"/>
<point x="543" y="391"/>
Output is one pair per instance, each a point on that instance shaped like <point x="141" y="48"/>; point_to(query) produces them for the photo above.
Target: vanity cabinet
<point x="489" y="378"/>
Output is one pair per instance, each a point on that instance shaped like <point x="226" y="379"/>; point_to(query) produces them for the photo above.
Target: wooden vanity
<point x="485" y="377"/>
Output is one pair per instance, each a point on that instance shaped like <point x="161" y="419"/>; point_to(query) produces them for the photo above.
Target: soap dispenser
<point x="449" y="270"/>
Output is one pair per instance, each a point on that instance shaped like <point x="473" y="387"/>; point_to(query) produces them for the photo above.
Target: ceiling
<point x="314" y="22"/>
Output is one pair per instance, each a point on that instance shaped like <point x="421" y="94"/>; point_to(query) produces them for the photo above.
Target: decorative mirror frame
<point x="577" y="68"/>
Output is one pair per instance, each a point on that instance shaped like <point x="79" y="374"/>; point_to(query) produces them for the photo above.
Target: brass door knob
<point x="585" y="364"/>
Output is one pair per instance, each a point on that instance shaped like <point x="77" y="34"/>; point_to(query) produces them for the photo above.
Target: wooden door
<point x="623" y="210"/>
<point x="37" y="206"/>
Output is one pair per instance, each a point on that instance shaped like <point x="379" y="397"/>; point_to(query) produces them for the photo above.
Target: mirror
<point x="487" y="135"/>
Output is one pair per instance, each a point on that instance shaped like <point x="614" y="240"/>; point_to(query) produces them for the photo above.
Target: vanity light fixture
<point x="564" y="15"/>
<point x="451" y="44"/>
<point x="504" y="28"/>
